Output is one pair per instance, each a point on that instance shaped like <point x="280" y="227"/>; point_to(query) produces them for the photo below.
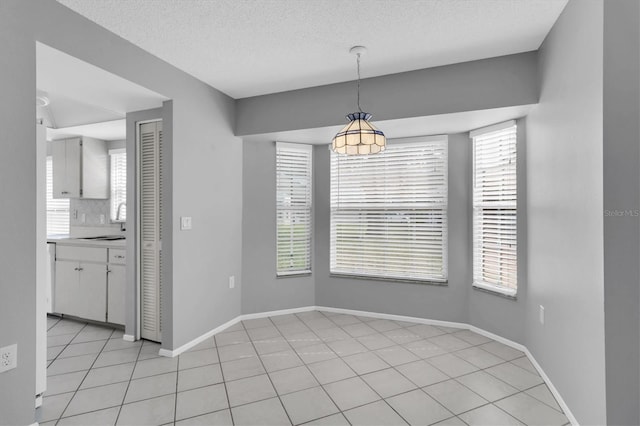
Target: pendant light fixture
<point x="359" y="137"/>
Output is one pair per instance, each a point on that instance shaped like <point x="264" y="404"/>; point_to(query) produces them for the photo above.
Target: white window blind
<point x="495" y="209"/>
<point x="293" y="215"/>
<point x="57" y="208"/>
<point x="118" y="185"/>
<point x="389" y="212"/>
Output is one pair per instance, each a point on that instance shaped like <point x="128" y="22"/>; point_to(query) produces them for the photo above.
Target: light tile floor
<point x="315" y="368"/>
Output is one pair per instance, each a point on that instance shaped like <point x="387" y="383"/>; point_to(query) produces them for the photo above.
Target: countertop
<point x="81" y="242"/>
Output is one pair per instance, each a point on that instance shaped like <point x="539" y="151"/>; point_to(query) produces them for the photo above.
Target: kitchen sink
<point x="106" y="238"/>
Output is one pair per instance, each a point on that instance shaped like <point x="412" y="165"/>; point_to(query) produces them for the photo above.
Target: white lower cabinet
<point x="87" y="286"/>
<point x="81" y="289"/>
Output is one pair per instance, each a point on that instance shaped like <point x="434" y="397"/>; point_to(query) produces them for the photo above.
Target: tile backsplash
<point x="92" y="211"/>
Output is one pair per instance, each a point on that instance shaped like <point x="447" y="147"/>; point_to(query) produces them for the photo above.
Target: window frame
<point x="49" y="199"/>
<point x="308" y="209"/>
<point x="113" y="203"/>
<point x="388" y="274"/>
<point x="481" y="284"/>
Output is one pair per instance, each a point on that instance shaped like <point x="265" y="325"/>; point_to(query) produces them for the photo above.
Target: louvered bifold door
<point x="150" y="143"/>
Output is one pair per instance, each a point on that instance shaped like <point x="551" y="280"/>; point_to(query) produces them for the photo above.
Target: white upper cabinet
<point x="80" y="168"/>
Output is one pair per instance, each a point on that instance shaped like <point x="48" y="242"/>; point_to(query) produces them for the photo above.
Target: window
<point x="293" y="208"/>
<point x="495" y="208"/>
<point x="118" y="185"/>
<point x="57" y="208"/>
<point x="389" y="212"/>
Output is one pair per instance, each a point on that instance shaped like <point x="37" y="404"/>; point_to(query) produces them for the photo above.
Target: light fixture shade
<point x="359" y="136"/>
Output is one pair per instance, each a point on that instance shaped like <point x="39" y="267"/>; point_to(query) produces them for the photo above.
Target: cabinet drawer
<point x="117" y="256"/>
<point x="87" y="254"/>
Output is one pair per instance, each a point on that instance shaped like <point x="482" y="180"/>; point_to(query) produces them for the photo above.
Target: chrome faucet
<point x="123" y="204"/>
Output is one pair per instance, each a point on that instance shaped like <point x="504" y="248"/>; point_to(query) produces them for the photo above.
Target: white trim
<point x="464" y="326"/>
<point x="552" y="388"/>
<point x="117" y="151"/>
<point x="493" y="128"/>
<point x="511" y="292"/>
<point x="129" y="338"/>
<point x="295" y="145"/>
<point x="174" y="353"/>
<point x="413" y="139"/>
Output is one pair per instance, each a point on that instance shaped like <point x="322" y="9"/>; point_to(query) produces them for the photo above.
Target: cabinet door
<point x="115" y="294"/>
<point x="66" y="156"/>
<point x="92" y="291"/>
<point x="67" y="287"/>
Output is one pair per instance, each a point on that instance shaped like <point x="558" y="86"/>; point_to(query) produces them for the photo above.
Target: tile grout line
<point x="224" y="382"/>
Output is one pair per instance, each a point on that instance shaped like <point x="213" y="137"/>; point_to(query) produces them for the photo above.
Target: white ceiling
<point x="107" y="131"/>
<point x="81" y="93"/>
<point x="254" y="47"/>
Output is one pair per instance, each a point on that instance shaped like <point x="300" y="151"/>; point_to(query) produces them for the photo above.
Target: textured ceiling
<point x="253" y="47"/>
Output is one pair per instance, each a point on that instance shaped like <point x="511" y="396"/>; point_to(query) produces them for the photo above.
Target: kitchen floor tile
<point x="105" y="417"/>
<point x="292" y="380"/>
<point x="263" y="413"/>
<point x="93" y="399"/>
<point x="366" y="362"/>
<point x="422" y="373"/>
<point x="237" y="351"/>
<point x="515" y="376"/>
<point x="257" y="323"/>
<point x="382" y="325"/>
<point x="53" y="406"/>
<point x="121" y="356"/>
<point x="418" y="408"/>
<point x="199" y="377"/>
<point x="479" y="357"/>
<point x="471" y="337"/>
<point x="108" y="375"/>
<point x="315" y="353"/>
<point x="350" y="393"/>
<point x="198" y="358"/>
<point x="332" y="420"/>
<point x="251" y="389"/>
<point x="531" y="411"/>
<point x="232" y="338"/>
<point x="331" y="334"/>
<point x="242" y="368"/>
<point x="523" y="362"/>
<point x="78" y="349"/>
<point x="543" y="394"/>
<point x="152" y="367"/>
<point x="69" y="365"/>
<point x="388" y="382"/>
<point x="375" y="341"/>
<point x="154" y="411"/>
<point x="487" y="386"/>
<point x="425" y="330"/>
<point x="359" y="330"/>
<point x="263" y="332"/>
<point x="151" y="387"/>
<point x="116" y="344"/>
<point x="219" y="418"/>
<point x="449" y="342"/>
<point x="199" y="401"/>
<point x="280" y="360"/>
<point x="307" y="405"/>
<point x="401" y="336"/>
<point x="274" y="344"/>
<point x="455" y="397"/>
<point x="331" y="371"/>
<point x="346" y="347"/>
<point x="63" y="383"/>
<point x="425" y="349"/>
<point x="205" y="344"/>
<point x="451" y="365"/>
<point x="396" y="355"/>
<point x="379" y="413"/>
<point x="302" y="340"/>
<point x="501" y="350"/>
<point x="489" y="415"/>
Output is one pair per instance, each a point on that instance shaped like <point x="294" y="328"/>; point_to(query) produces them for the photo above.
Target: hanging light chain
<point x="358" y="62"/>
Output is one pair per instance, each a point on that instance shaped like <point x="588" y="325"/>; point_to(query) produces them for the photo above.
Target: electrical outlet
<point x="8" y="358"/>
<point x="541" y="315"/>
<point x="232" y="281"/>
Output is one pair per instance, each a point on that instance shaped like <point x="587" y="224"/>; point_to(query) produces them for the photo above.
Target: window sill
<point x="390" y="279"/>
<point x="496" y="291"/>
<point x="294" y="274"/>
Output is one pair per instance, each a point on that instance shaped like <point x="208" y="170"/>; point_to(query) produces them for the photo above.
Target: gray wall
<point x="488" y="83"/>
<point x="206" y="182"/>
<point x="448" y="303"/>
<point x="18" y="222"/>
<point x="262" y="291"/>
<point x="501" y="315"/>
<point x="565" y="218"/>
<point x="621" y="134"/>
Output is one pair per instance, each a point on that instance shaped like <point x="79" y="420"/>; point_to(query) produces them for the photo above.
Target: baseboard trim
<point x="393" y="317"/>
<point x="129" y="338"/>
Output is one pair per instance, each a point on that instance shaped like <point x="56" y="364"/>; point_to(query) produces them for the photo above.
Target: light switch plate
<point x="185" y="223"/>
